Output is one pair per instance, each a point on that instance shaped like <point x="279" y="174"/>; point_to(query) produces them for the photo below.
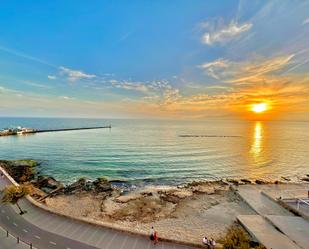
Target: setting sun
<point x="258" y="108"/>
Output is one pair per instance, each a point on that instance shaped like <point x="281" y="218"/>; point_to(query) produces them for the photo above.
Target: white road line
<point x="124" y="242"/>
<point x="101" y="238"/>
<point x="115" y="234"/>
<point x="15" y="224"/>
<point x="38" y="237"/>
<point x="74" y="230"/>
<point x="56" y="228"/>
<point x="53" y="243"/>
<point x="135" y="243"/>
<point x="25" y="230"/>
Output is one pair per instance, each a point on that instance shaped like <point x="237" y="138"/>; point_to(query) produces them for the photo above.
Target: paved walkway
<point x="50" y="231"/>
<point x="264" y="232"/>
<point x="252" y="194"/>
<point x="296" y="228"/>
<point x="273" y="226"/>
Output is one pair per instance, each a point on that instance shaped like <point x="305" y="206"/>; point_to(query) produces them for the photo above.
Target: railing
<point x="18" y="239"/>
<point x="301" y="196"/>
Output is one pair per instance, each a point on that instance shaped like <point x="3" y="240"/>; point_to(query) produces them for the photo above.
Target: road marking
<point x="124" y="242"/>
<point x="38" y="237"/>
<point x="115" y="235"/>
<point x="135" y="243"/>
<point x="53" y="243"/>
<point x="15" y="224"/>
<point x="8" y="217"/>
<point x="25" y="230"/>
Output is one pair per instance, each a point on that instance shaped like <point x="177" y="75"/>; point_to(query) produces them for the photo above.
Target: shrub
<point x="236" y="238"/>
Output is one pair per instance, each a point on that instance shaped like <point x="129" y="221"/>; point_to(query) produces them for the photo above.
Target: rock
<point x="20" y="170"/>
<point x="169" y="198"/>
<point x="78" y="186"/>
<point x="305" y="179"/>
<point x="47" y="183"/>
<point x="235" y="182"/>
<point x="102" y="185"/>
<point x="127" y="198"/>
<point x="285" y="178"/>
<point x="246" y="181"/>
<point x="260" y="182"/>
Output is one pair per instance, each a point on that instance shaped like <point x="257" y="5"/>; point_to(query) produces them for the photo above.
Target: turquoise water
<point x="154" y="152"/>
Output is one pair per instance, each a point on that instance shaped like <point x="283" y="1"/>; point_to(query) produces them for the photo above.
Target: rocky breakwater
<point x="44" y="186"/>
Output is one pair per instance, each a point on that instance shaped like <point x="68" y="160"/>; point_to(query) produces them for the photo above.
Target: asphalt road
<point x="50" y="231"/>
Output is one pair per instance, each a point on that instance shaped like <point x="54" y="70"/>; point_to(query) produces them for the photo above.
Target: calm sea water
<point x="154" y="152"/>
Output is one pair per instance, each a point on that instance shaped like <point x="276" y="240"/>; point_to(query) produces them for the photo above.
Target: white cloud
<point x="51" y="77"/>
<point x="306" y="21"/>
<point x="66" y="97"/>
<point x="224" y="34"/>
<point x="75" y="75"/>
<point x="214" y="68"/>
<point x="31" y="83"/>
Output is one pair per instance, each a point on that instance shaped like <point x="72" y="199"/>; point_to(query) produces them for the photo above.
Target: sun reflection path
<point x="257" y="143"/>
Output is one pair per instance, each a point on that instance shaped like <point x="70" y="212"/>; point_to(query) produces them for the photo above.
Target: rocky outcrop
<point x="246" y="181"/>
<point x="46" y="182"/>
<point x="21" y="170"/>
<point x="102" y="185"/>
<point x="80" y="185"/>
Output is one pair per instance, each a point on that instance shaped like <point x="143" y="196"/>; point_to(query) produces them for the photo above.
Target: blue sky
<point x="158" y="59"/>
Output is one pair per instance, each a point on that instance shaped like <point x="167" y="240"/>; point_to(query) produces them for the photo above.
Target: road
<point x="50" y="231"/>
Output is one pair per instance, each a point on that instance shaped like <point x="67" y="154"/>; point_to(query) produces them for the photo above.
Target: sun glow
<point x="258" y="108"/>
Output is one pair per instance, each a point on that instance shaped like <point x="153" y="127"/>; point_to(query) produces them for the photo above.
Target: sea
<point x="162" y="152"/>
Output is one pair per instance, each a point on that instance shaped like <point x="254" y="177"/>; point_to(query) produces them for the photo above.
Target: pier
<point x="33" y="131"/>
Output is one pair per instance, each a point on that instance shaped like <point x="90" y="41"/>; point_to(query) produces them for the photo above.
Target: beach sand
<point x="186" y="213"/>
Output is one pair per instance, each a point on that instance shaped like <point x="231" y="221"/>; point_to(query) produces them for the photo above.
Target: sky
<point x="154" y="59"/>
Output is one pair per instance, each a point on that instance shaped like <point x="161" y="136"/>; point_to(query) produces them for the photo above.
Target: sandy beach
<point x="184" y="213"/>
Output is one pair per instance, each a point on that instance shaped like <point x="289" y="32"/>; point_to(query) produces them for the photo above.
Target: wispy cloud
<point x="25" y="56"/>
<point x="219" y="33"/>
<point x="306" y="21"/>
<point x="51" y="77"/>
<point x="244" y="71"/>
<point x="74" y="75"/>
<point x="35" y="84"/>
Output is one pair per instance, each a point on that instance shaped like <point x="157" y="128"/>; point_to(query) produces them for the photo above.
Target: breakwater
<point x="32" y="131"/>
<point x="73" y="129"/>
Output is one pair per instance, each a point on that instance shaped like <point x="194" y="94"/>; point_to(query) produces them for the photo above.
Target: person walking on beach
<point x="205" y="241"/>
<point x="155" y="237"/>
<point x="151" y="235"/>
<point x="212" y="243"/>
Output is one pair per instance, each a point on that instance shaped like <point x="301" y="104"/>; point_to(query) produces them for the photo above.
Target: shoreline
<point x="184" y="213"/>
